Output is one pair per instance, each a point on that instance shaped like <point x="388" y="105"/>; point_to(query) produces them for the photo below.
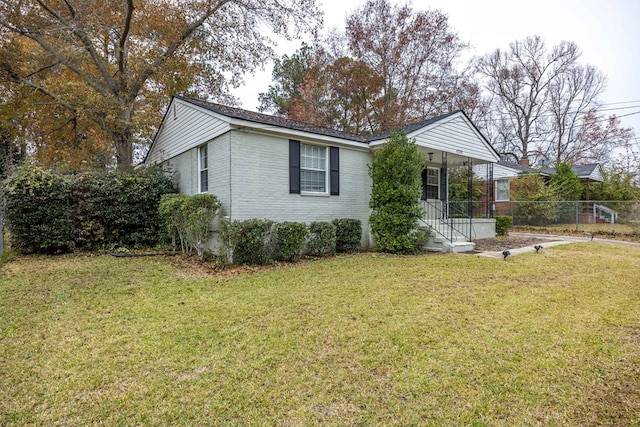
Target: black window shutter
<point x="294" y="166"/>
<point x="334" y="167"/>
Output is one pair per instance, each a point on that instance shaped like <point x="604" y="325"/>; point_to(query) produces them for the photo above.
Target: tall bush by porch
<point x="395" y="195"/>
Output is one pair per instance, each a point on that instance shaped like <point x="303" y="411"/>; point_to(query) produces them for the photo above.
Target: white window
<point x="432" y="183"/>
<point x="203" y="163"/>
<point x="502" y="189"/>
<point x="313" y="168"/>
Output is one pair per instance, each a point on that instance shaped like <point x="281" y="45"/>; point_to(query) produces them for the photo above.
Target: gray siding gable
<point x="453" y="133"/>
<point x="184" y="126"/>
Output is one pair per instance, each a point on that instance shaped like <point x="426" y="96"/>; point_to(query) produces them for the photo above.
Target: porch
<point x="452" y="146"/>
<point x="457" y="209"/>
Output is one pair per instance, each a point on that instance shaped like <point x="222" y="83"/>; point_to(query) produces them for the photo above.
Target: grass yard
<point x="539" y="339"/>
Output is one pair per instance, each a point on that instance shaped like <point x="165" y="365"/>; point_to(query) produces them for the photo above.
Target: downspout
<point x="230" y="174"/>
<point x="470" y="194"/>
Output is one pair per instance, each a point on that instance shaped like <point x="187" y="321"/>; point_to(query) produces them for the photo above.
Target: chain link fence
<point x="588" y="216"/>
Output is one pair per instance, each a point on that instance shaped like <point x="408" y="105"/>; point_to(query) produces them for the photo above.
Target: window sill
<point x="313" y="194"/>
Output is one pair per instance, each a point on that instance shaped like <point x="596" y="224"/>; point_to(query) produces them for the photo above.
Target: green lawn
<point x="539" y="339"/>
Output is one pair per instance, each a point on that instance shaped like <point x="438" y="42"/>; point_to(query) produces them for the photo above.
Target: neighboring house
<point x="262" y="166"/>
<point x="504" y="172"/>
<point x="587" y="174"/>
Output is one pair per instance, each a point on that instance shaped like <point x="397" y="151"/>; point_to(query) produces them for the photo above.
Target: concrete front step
<point x="438" y="243"/>
<point x="446" y="246"/>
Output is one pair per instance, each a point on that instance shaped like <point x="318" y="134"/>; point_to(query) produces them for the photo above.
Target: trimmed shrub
<point x="503" y="224"/>
<point x="230" y="232"/>
<point x="253" y="241"/>
<point x="322" y="238"/>
<point x="50" y="213"/>
<point x="395" y="196"/>
<point x="38" y="211"/>
<point x="289" y="240"/>
<point x="200" y="211"/>
<point x="119" y="209"/>
<point x="189" y="219"/>
<point x="175" y="222"/>
<point x="348" y="234"/>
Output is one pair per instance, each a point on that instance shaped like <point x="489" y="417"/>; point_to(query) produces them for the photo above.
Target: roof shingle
<point x="265" y="119"/>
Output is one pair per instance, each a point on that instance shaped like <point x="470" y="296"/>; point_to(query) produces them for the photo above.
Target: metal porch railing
<point x="451" y="220"/>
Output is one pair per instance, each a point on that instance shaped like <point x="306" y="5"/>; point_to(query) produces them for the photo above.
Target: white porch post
<point x="444" y="186"/>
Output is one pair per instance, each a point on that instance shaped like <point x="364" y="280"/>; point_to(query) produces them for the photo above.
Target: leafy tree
<point x="109" y="67"/>
<point x="414" y="52"/>
<point x="393" y="65"/>
<point x="344" y="93"/>
<point x="9" y="152"/>
<point x="395" y="195"/>
<point x="315" y="87"/>
<point x="567" y="182"/>
<point x="537" y="201"/>
<point x="283" y="97"/>
<point x="618" y="184"/>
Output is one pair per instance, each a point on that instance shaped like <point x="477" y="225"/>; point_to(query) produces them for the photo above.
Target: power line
<point x="548" y="115"/>
<point x="621" y="102"/>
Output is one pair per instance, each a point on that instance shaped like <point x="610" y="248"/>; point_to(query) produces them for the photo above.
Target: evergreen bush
<point x="38" y="211"/>
<point x="395" y="196"/>
<point x="50" y="213"/>
<point x="289" y="240"/>
<point x="322" y="238"/>
<point x="113" y="209"/>
<point x="348" y="234"/>
<point x="537" y="201"/>
<point x="503" y="224"/>
<point x="253" y="242"/>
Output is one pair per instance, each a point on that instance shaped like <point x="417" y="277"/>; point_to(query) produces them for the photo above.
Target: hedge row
<point x="259" y="241"/>
<point x="51" y="213"/>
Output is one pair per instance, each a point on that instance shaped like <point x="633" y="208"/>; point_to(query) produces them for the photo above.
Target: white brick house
<point x="262" y="166"/>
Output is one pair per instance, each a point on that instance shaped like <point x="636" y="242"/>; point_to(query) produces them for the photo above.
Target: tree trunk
<point x="123" y="141"/>
<point x="124" y="150"/>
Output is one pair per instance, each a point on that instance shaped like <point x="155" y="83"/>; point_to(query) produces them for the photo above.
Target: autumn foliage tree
<point x="393" y="65"/>
<point x="102" y="70"/>
<point x="415" y="55"/>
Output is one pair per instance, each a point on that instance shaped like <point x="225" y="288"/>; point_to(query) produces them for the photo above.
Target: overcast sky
<point x="607" y="32"/>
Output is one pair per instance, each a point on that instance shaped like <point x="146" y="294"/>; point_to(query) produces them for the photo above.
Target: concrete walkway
<point x="553" y="240"/>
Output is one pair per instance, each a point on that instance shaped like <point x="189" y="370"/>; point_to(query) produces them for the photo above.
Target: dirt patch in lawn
<point x="501" y="243"/>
